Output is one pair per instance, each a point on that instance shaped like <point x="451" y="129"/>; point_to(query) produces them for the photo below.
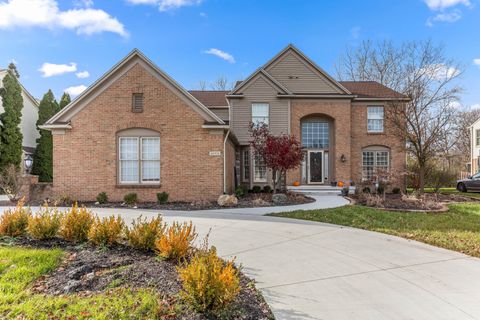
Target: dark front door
<point x="315" y="166"/>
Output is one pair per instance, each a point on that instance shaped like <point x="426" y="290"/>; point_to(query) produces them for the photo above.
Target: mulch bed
<point x="88" y="269"/>
<point x="427" y="202"/>
<point x="248" y="201"/>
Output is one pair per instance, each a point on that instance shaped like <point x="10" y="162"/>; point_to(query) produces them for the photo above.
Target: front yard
<point x="457" y="229"/>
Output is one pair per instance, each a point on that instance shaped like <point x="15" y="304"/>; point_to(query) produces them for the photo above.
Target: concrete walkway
<point x="309" y="270"/>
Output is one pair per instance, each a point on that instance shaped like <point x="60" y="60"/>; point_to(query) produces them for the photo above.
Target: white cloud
<point x="82" y="74"/>
<point x="355" y="32"/>
<point x="52" y="69"/>
<point x="475" y="106"/>
<point x="165" y="5"/>
<point x="46" y="14"/>
<point x="444" y="4"/>
<point x="440" y="71"/>
<point x="83" y="3"/>
<point x="221" y="54"/>
<point x="452" y="16"/>
<point x="75" y="90"/>
<point x="455" y="105"/>
<point x="476" y="62"/>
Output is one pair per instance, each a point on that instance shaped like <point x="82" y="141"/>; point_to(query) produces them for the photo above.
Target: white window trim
<point x="383" y="119"/>
<point x="268" y="112"/>
<point x="375" y="165"/>
<point x="253" y="167"/>
<point x="139" y="159"/>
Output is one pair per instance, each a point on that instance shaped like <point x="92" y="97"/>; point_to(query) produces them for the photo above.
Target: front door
<point x="315" y="167"/>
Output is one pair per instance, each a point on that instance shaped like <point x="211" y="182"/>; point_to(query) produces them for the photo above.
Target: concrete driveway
<point x="309" y="270"/>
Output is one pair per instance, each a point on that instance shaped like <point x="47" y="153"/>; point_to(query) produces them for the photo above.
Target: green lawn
<point x="452" y="191"/>
<point x="19" y="267"/>
<point x="458" y="229"/>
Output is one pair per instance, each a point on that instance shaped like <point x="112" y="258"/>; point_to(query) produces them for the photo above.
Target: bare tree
<point x="463" y="121"/>
<point x="202" y="85"/>
<point x="11" y="182"/>
<point x="422" y="72"/>
<point x="221" y="84"/>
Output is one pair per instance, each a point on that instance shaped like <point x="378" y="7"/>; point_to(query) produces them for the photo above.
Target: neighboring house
<point x="29" y="119"/>
<point x="137" y="130"/>
<point x="475" y="147"/>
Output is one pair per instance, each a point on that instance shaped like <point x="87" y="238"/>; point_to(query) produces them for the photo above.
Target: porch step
<point x="317" y="190"/>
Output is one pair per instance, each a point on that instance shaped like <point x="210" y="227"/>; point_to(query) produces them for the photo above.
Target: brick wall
<point x="349" y="138"/>
<point x="339" y="112"/>
<point x="85" y="157"/>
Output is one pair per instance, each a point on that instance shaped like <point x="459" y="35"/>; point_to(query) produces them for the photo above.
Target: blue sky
<point x="69" y="44"/>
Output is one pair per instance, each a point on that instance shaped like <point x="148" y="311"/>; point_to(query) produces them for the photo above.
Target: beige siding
<point x="222" y="113"/>
<point x="259" y="90"/>
<point x="299" y="77"/>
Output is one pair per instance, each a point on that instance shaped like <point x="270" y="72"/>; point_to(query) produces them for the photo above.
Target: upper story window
<point x="138" y="157"/>
<point x="477" y="137"/>
<point x="260" y="113"/>
<point x="315" y="135"/>
<point x="375" y="116"/>
<point x="137" y="102"/>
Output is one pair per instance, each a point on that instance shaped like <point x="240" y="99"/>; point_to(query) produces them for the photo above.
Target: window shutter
<point x="137" y="102"/>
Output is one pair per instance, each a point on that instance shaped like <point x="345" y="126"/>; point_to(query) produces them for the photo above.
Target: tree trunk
<point x="421" y="177"/>
<point x="274" y="178"/>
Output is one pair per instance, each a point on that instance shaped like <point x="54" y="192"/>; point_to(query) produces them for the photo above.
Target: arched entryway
<point x="317" y="137"/>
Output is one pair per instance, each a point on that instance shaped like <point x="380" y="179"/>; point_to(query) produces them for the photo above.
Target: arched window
<point x="374" y="158"/>
<point x="138" y="156"/>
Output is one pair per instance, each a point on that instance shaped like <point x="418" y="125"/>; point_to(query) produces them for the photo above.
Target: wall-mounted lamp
<point x="28" y="162"/>
<point x="343" y="158"/>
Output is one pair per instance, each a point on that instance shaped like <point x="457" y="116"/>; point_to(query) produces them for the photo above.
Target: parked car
<point x="470" y="184"/>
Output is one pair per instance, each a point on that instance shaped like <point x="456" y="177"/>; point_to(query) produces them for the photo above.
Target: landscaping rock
<point x="226" y="200"/>
<point x="77" y="273"/>
<point x="259" y="202"/>
<point x="72" y="286"/>
<point x="279" y="198"/>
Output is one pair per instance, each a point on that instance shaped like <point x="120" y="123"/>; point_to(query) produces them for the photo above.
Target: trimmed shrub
<point x="267" y="189"/>
<point x="44" y="224"/>
<point x="144" y="234"/>
<point x="241" y="191"/>
<point x="76" y="223"/>
<point x="102" y="198"/>
<point x="396" y="190"/>
<point x="130" y="198"/>
<point x="106" y="231"/>
<point x="177" y="241"/>
<point x="209" y="284"/>
<point x="162" y="197"/>
<point x="14" y="222"/>
<point x="256" y="189"/>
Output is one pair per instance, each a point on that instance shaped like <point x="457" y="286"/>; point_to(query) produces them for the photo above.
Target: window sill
<point x="138" y="186"/>
<point x="376" y="133"/>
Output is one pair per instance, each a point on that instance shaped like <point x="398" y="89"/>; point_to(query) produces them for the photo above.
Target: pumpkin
<point x="340" y="184"/>
<point x="296" y="183"/>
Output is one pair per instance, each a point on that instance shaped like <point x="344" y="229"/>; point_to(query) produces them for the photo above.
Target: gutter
<point x="216" y="126"/>
<point x="225" y="162"/>
<point x="55" y="126"/>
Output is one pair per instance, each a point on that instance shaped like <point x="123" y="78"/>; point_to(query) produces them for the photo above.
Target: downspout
<point x="225" y="162"/>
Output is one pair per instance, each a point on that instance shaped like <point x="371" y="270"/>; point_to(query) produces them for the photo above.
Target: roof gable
<point x="301" y="75"/>
<point x="3" y="73"/>
<point x="133" y="58"/>
<point x="273" y="68"/>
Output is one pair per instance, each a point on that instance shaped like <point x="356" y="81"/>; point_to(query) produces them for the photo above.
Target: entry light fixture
<point x="343" y="158"/>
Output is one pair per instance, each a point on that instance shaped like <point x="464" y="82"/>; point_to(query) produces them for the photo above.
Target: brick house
<point x="137" y="130"/>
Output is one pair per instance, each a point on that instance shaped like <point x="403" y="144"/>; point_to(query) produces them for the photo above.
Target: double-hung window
<point x="260" y="113"/>
<point x="246" y="165"/>
<point x="477" y="137"/>
<point x="373" y="162"/>
<point x="375" y="119"/>
<point x="259" y="169"/>
<point x="139" y="160"/>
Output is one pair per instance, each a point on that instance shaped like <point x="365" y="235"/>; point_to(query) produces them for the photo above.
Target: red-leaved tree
<point x="280" y="153"/>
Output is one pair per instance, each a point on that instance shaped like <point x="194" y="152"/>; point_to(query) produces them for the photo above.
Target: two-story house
<point x="474" y="166"/>
<point x="28" y="124"/>
<point x="137" y="130"/>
